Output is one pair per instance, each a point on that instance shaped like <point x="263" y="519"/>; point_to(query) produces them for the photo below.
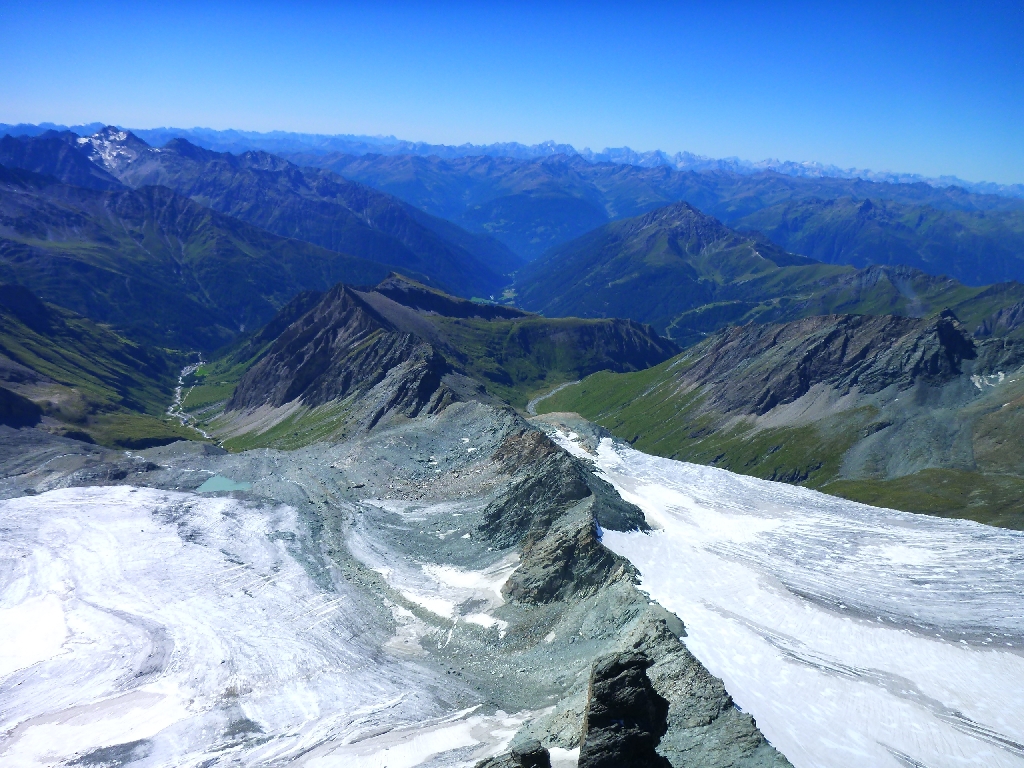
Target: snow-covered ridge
<point x="854" y="635"/>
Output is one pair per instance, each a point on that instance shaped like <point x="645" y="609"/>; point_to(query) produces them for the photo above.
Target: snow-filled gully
<point x="855" y="636"/>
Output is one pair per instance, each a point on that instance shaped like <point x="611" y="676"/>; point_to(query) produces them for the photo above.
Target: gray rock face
<point x="425" y="492"/>
<point x="343" y="347"/>
<point x="770" y="365"/>
<point x="1005" y="320"/>
<point x="402" y="350"/>
<point x="625" y="717"/>
<point x="529" y="753"/>
<point x="548" y="482"/>
<point x="18" y="411"/>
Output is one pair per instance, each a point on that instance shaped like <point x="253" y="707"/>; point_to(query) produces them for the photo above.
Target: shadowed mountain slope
<point x="308" y="204"/>
<point x="974" y="247"/>
<point x="155" y="264"/>
<point x="58" y="155"/>
<point x="534" y="205"/>
<point x="401" y="349"/>
<point x="83" y="379"/>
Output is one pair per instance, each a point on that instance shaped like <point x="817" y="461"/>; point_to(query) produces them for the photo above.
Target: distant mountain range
<point x="283" y="141"/>
<point x="857" y="336"/>
<point x="160" y="267"/>
<point x="533" y="206"/>
<point x="299" y="228"/>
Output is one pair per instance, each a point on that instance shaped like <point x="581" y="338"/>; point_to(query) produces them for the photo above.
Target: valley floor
<point x="854" y="635"/>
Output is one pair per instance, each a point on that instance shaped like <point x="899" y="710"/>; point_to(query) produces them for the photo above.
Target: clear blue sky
<point x="933" y="88"/>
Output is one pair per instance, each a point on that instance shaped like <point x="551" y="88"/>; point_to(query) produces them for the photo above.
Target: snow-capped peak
<point x="113" y="149"/>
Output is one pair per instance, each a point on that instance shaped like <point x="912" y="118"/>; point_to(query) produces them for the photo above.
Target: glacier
<point x="169" y="627"/>
<point x="183" y="628"/>
<point x="854" y="635"/>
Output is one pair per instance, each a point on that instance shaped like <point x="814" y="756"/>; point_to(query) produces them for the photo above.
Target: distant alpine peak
<point x="677" y="214"/>
<point x="113" y="148"/>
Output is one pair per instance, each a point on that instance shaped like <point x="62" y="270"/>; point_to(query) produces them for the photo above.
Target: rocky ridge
<point x="400" y="496"/>
<point x="402" y="349"/>
<point x="309" y="204"/>
<point x="914" y="413"/>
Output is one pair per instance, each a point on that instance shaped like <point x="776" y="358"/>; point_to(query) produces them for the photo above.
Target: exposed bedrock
<point x="474" y="494"/>
<point x="529" y="753"/>
<point x="780" y="363"/>
<point x="343" y="347"/>
<point x="625" y="717"/>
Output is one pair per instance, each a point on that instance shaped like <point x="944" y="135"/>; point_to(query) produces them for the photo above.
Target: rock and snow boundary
<point x="430" y="594"/>
<point x="855" y="635"/>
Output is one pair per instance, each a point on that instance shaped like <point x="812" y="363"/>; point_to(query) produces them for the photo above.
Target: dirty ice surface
<point x="451" y="593"/>
<point x="854" y="635"/>
<point x="163" y="628"/>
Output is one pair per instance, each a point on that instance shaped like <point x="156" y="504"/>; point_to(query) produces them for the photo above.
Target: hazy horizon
<point x="934" y="89"/>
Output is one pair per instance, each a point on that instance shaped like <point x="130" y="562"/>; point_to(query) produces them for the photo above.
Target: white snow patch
<point x="564" y="758"/>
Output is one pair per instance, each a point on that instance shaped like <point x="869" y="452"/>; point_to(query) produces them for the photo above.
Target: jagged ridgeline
<point x="350" y="358"/>
<point x="688" y="275"/>
<point x="159" y="267"/>
<point x="308" y="204"/>
<point x="916" y="414"/>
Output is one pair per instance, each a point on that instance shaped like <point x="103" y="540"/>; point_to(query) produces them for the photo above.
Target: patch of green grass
<point x="102" y="385"/>
<point x="994" y="499"/>
<point x="124" y="429"/>
<point x="649" y="410"/>
<point x="304" y="427"/>
<point x="203" y="395"/>
<point x="515" y="359"/>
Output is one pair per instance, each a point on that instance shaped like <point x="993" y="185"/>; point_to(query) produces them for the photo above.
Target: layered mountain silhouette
<point x="687" y="274"/>
<point x="312" y="205"/>
<point x="155" y="264"/>
<point x="402" y="349"/>
<point x="538" y="204"/>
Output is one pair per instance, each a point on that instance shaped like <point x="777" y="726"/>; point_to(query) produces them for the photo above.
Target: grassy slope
<point x="688" y="276"/>
<point x="156" y="265"/>
<point x="516" y="359"/>
<point x="647" y="409"/>
<point x="513" y="358"/>
<point x="975" y="247"/>
<point x="513" y="199"/>
<point x="101" y="385"/>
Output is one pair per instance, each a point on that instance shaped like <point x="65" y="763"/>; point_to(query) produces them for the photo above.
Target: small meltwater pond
<point x="221" y="483"/>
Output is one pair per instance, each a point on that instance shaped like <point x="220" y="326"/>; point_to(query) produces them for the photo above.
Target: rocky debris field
<point x="431" y="593"/>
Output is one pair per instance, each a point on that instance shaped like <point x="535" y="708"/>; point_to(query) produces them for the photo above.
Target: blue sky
<point x="932" y="88"/>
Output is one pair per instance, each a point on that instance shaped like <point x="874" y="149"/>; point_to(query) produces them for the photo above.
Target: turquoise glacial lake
<point x="221" y="483"/>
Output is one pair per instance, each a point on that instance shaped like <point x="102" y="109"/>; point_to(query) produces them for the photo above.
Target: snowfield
<point x="855" y="636"/>
<point x="181" y="628"/>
